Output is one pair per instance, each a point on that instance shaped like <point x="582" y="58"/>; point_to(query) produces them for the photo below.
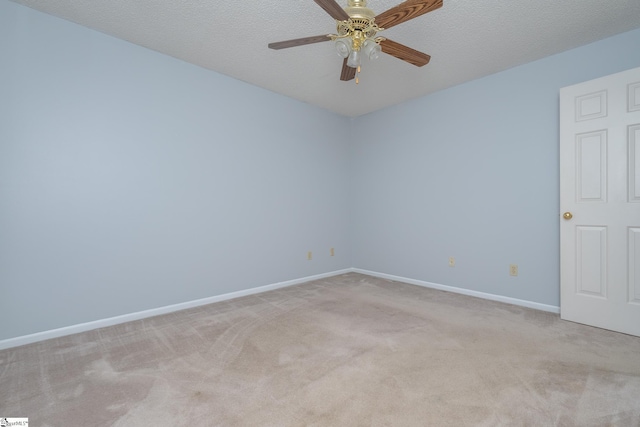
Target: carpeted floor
<point x="350" y="350"/>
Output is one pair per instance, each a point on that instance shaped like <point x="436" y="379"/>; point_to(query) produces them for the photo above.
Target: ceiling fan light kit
<point x="356" y="30"/>
<point x="356" y="34"/>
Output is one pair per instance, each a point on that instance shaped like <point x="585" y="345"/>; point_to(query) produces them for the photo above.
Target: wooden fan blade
<point x="333" y="9"/>
<point x="347" y="73"/>
<point x="299" y="42"/>
<point x="405" y="11"/>
<point x="405" y="53"/>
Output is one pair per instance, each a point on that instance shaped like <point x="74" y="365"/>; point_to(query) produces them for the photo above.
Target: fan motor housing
<point x="358" y="9"/>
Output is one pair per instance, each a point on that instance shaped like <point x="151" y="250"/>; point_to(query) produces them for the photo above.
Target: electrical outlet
<point x="452" y="261"/>
<point x="309" y="256"/>
<point x="332" y="252"/>
<point x="513" y="270"/>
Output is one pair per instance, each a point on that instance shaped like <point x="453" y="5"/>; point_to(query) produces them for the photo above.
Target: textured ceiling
<point x="467" y="39"/>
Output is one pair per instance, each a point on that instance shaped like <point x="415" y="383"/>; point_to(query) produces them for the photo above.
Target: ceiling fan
<point x="357" y="27"/>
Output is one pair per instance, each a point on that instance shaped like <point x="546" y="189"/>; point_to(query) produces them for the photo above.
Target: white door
<point x="600" y="202"/>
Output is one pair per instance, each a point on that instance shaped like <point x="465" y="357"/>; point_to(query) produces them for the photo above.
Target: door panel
<point x="634" y="265"/>
<point x="634" y="163"/>
<point x="591" y="260"/>
<point x="600" y="187"/>
<point x="591" y="165"/>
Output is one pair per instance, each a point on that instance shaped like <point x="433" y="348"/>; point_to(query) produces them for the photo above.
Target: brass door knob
<point x="567" y="215"/>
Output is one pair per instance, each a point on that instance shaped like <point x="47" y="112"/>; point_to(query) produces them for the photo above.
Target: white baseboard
<point x="96" y="324"/>
<point x="102" y="323"/>
<point x="492" y="297"/>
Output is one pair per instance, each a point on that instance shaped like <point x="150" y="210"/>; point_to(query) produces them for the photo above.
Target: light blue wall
<point x="473" y="172"/>
<point x="130" y="180"/>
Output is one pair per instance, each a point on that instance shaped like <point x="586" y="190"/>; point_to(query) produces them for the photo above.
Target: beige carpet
<point x="351" y="350"/>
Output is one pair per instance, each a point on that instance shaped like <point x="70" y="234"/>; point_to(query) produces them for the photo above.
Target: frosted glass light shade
<point x="354" y="59"/>
<point x="343" y="47"/>
<point x="372" y="50"/>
